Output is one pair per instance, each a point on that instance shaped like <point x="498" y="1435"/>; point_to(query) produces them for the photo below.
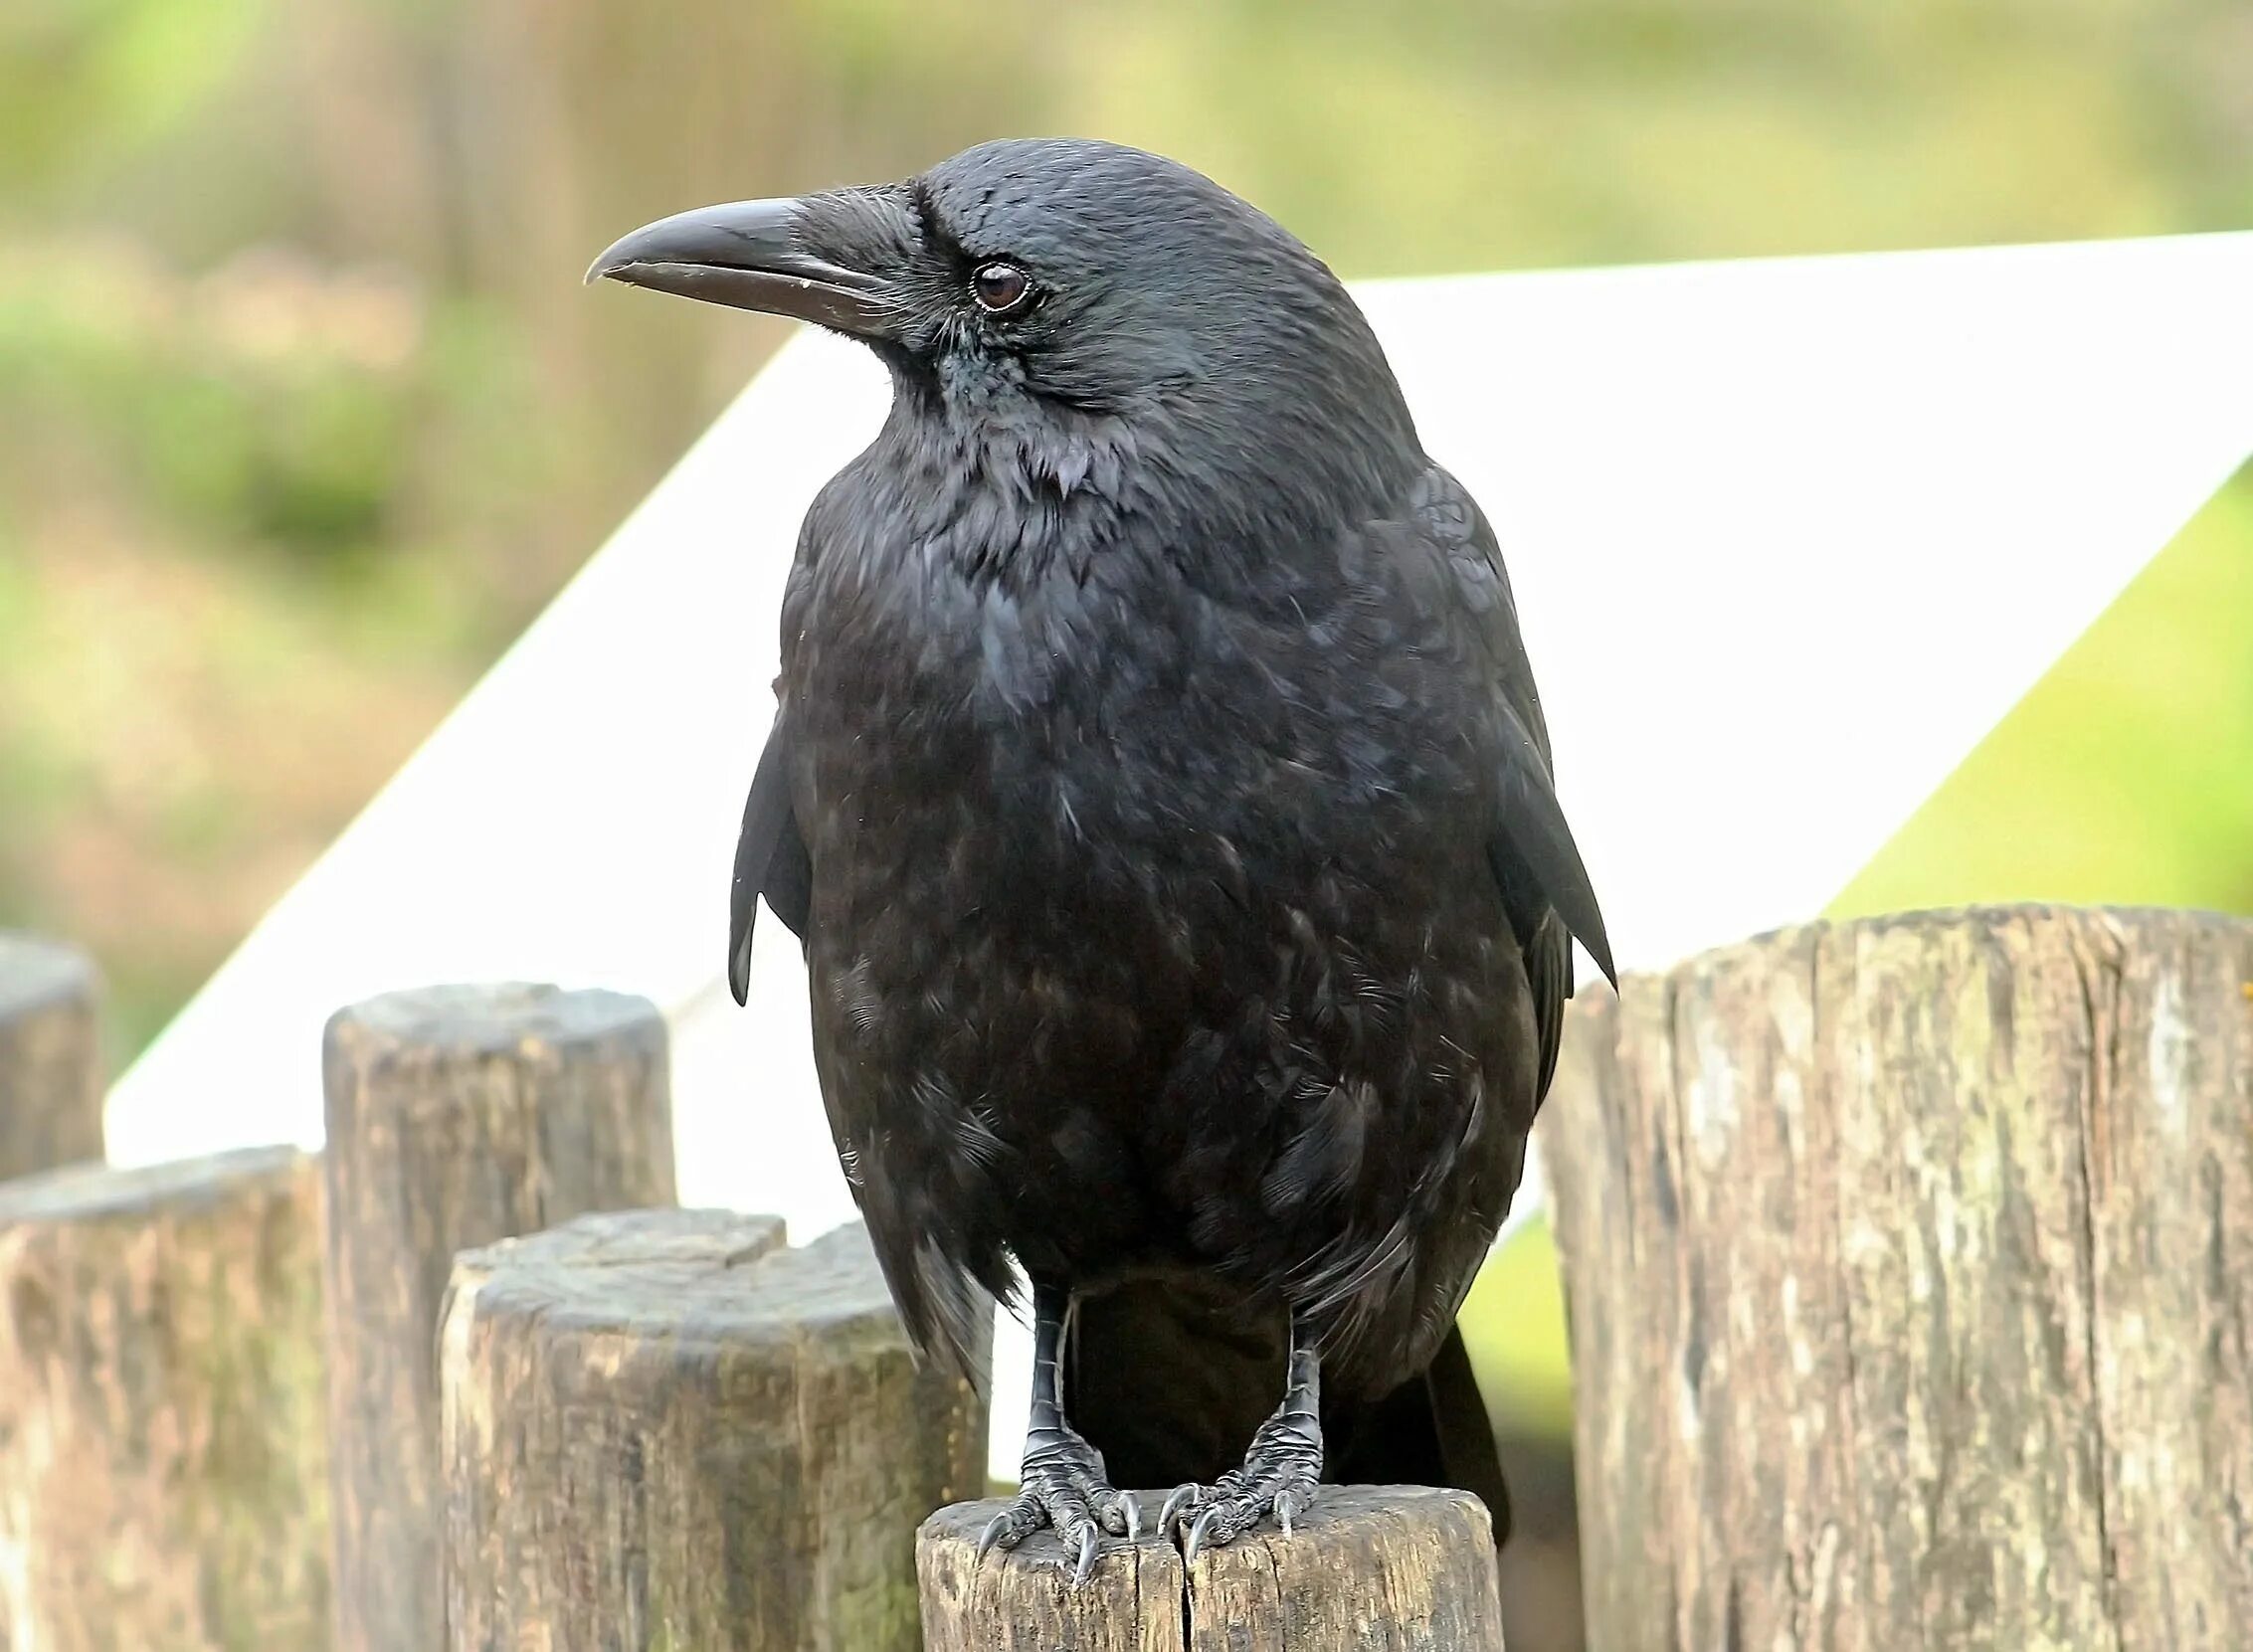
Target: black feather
<point x="1531" y="833"/>
<point x="770" y="859"/>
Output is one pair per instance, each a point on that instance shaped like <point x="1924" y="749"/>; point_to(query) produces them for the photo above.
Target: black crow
<point x="1162" y="798"/>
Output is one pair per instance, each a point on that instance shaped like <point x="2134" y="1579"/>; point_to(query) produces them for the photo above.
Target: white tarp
<point x="1789" y="536"/>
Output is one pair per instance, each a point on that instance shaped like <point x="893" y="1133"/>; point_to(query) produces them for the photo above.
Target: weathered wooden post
<point x="164" y="1480"/>
<point x="1373" y="1569"/>
<point x="50" y="1056"/>
<point x="1909" y="1266"/>
<point x="456" y="1116"/>
<point x="666" y="1429"/>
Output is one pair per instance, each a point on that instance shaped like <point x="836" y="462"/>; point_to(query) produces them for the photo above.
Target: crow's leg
<point x="1280" y="1472"/>
<point x="1062" y="1483"/>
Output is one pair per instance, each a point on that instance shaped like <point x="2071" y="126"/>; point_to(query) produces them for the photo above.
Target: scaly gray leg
<point x="1063" y="1483"/>
<point x="1279" y="1471"/>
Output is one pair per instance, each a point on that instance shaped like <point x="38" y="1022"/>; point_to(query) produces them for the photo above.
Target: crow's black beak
<point x="753" y="255"/>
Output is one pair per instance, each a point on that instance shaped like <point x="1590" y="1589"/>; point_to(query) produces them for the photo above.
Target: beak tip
<point x="605" y="267"/>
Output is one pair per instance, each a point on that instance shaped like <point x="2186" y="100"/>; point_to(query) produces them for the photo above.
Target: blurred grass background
<point x="303" y="414"/>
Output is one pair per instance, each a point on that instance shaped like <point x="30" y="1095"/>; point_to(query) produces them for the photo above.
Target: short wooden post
<point x="1373" y="1569"/>
<point x="456" y="1116"/>
<point x="163" y="1481"/>
<point x="665" y="1429"/>
<point x="50" y="1056"/>
<point x="1909" y="1266"/>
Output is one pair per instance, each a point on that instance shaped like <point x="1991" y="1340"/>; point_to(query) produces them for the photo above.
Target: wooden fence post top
<point x="710" y="1274"/>
<point x="668" y="1428"/>
<point x="35" y="972"/>
<point x="1402" y="1568"/>
<point x="498" y="1017"/>
<point x="95" y="1191"/>
<point x="2109" y="932"/>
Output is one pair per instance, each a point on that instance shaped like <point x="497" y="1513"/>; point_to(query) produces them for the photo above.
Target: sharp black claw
<point x="1180" y="1498"/>
<point x="992" y="1536"/>
<point x="1289" y="1505"/>
<point x="1087" y="1559"/>
<point x="1133" y="1516"/>
<point x="1198" y="1533"/>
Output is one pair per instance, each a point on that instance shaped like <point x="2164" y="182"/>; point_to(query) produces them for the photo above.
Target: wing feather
<point x="1545" y="889"/>
<point x="770" y="859"/>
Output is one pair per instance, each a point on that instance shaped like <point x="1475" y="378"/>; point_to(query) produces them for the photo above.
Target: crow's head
<point x="1060" y="284"/>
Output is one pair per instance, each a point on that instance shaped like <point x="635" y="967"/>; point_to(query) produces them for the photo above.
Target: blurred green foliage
<point x="2125" y="775"/>
<point x="292" y="445"/>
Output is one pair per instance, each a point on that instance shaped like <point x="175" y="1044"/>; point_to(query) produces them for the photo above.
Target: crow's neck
<point x="1020" y="500"/>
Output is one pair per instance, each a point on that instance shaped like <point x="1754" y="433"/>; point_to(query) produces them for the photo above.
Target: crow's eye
<point x="999" y="287"/>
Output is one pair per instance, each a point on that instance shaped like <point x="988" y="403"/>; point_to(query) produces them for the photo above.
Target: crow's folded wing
<point x="770" y="858"/>
<point x="1544" y="887"/>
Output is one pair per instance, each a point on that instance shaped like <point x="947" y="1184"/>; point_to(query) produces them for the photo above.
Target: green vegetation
<point x="2126" y="776"/>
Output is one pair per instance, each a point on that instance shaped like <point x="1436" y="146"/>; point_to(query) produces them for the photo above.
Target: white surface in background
<point x="1789" y="537"/>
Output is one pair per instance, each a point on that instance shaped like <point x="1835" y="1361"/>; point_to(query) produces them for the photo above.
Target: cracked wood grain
<point x="1373" y="1569"/>
<point x="163" y="1473"/>
<point x="666" y="1431"/>
<point x="1909" y="1269"/>
<point x="456" y="1116"/>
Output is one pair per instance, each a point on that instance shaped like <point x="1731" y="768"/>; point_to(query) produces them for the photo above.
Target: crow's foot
<point x="1277" y="1478"/>
<point x="1063" y="1485"/>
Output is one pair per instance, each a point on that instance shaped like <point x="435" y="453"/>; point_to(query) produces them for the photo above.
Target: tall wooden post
<point x="1910" y="1268"/>
<point x="163" y="1481"/>
<point x="50" y="1056"/>
<point x="456" y="1116"/>
<point x="665" y="1429"/>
